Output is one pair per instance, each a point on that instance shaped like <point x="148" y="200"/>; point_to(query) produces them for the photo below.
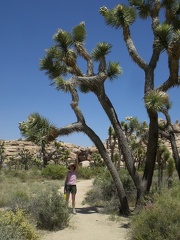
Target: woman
<point x="70" y="184"/>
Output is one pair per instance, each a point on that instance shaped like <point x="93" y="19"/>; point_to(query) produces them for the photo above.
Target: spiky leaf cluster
<point x="79" y="33"/>
<point x="172" y="8"/>
<point x="84" y="88"/>
<point x="101" y="50"/>
<point x="163" y="34"/>
<point x="61" y="84"/>
<point x="37" y="129"/>
<point x="174" y="47"/>
<point x="63" y="39"/>
<point x="156" y="100"/>
<point x="113" y="70"/>
<point x="61" y="59"/>
<point x="52" y="63"/>
<point x="133" y="125"/>
<point x="144" y="7"/>
<point x="172" y="5"/>
<point x="119" y="16"/>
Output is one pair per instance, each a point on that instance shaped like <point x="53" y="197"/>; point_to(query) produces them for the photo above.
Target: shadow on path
<point x="86" y="210"/>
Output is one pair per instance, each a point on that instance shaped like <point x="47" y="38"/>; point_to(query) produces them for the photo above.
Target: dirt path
<point x="88" y="224"/>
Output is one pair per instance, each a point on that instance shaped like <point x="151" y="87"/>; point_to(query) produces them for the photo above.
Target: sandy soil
<point x="88" y="223"/>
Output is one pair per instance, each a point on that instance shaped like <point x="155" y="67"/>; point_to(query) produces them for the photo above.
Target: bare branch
<point x="132" y="49"/>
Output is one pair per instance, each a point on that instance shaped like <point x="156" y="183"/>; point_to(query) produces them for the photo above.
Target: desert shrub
<point x="22" y="175"/>
<point x="35" y="174"/>
<point x="15" y="226"/>
<point x="159" y="221"/>
<point x="97" y="170"/>
<point x="106" y="183"/>
<point x="85" y="173"/>
<point x="104" y="191"/>
<point x="15" y="194"/>
<point x="54" y="171"/>
<point x="19" y="200"/>
<point x="2" y="177"/>
<point x="49" y="210"/>
<point x="7" y="189"/>
<point x="89" y="172"/>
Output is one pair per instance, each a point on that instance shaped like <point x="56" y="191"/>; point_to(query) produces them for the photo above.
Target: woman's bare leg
<point x="73" y="200"/>
<point x="73" y="203"/>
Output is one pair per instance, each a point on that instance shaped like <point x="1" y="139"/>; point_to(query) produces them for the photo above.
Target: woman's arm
<point x="76" y="162"/>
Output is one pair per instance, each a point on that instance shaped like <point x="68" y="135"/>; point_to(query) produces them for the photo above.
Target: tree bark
<point x="151" y="151"/>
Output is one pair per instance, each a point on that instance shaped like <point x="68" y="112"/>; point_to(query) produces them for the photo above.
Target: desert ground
<point x="88" y="223"/>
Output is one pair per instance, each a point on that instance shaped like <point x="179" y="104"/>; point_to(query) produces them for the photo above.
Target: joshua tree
<point x="25" y="157"/>
<point x="40" y="131"/>
<point x="163" y="155"/>
<point x="61" y="59"/>
<point x="136" y="133"/>
<point x="112" y="141"/>
<point x="166" y="37"/>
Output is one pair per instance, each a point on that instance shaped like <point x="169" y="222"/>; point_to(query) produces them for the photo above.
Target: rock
<point x="12" y="147"/>
<point x="85" y="163"/>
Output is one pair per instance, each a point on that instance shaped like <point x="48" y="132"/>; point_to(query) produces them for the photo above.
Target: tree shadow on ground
<point x="125" y="225"/>
<point x="86" y="210"/>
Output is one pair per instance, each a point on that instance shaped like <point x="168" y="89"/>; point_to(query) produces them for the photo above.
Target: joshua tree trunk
<point x="151" y="151"/>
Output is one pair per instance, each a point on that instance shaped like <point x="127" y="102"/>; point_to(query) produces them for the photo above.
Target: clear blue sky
<point x="27" y="28"/>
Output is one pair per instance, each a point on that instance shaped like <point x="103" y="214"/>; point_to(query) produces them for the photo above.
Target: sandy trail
<point x="89" y="224"/>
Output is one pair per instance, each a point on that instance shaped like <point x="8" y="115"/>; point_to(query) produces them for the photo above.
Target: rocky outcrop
<point x="12" y="147"/>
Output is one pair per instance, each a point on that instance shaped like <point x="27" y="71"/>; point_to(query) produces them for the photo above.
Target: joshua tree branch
<point x="132" y="49"/>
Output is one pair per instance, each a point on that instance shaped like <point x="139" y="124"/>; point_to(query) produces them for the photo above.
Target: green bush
<point x="15" y="226"/>
<point x="160" y="220"/>
<point x="15" y="194"/>
<point x="89" y="172"/>
<point x="19" y="200"/>
<point x="54" y="171"/>
<point x="49" y="210"/>
<point x="85" y="173"/>
<point x="22" y="175"/>
<point x="7" y="190"/>
<point x="104" y="191"/>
